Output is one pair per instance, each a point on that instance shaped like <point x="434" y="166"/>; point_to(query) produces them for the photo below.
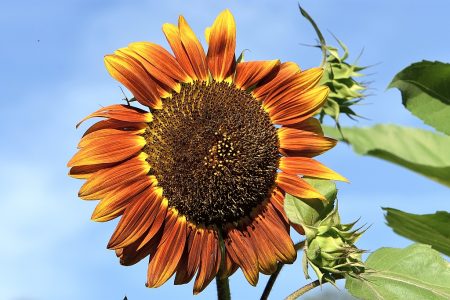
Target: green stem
<point x="303" y="290"/>
<point x="323" y="44"/>
<point x="223" y="288"/>
<point x="271" y="282"/>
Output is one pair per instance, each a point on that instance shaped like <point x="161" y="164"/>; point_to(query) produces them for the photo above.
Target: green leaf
<point x="431" y="229"/>
<point x="425" y="89"/>
<point x="415" y="272"/>
<point x="424" y="152"/>
<point x="309" y="211"/>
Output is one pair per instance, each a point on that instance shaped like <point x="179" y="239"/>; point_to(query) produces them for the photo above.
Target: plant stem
<point x="303" y="290"/>
<point x="223" y="288"/>
<point x="308" y="287"/>
<point x="274" y="276"/>
<point x="271" y="282"/>
<point x="300" y="245"/>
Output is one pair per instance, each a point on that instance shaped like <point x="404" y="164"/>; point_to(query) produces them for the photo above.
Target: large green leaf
<point x="309" y="211"/>
<point x="424" y="152"/>
<point x="425" y="88"/>
<point x="415" y="272"/>
<point x="432" y="229"/>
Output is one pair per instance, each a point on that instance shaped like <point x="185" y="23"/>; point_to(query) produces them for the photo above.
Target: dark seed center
<point x="214" y="152"/>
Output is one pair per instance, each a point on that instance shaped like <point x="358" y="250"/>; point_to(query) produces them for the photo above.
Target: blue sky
<point x="53" y="76"/>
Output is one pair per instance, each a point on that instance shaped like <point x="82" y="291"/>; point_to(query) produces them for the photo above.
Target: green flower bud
<point x="340" y="77"/>
<point x="330" y="249"/>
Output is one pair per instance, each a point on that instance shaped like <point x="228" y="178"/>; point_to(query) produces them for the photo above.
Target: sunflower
<point x="199" y="178"/>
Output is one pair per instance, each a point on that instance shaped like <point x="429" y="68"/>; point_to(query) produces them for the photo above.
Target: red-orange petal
<point x="308" y="167"/>
<point x="102" y="134"/>
<point x="194" y="49"/>
<point x="222" y="46"/>
<point x="210" y="261"/>
<point x="191" y="257"/>
<point x="137" y="218"/>
<point x="135" y="78"/>
<point x="277" y="201"/>
<point x="84" y="172"/>
<point x="297" y="187"/>
<point x="115" y="202"/>
<point x="108" y="150"/>
<point x="278" y="234"/>
<point x="132" y="254"/>
<point x="161" y="59"/>
<point x="229" y="266"/>
<point x="242" y="253"/>
<point x="298" y="84"/>
<point x="296" y="107"/>
<point x="115" y="124"/>
<point x="267" y="260"/>
<point x="163" y="264"/>
<point x="172" y="34"/>
<point x="311" y="124"/>
<point x="283" y="79"/>
<point x="303" y="143"/>
<point x="248" y="74"/>
<point x="165" y="84"/>
<point x="157" y="224"/>
<point x="122" y="113"/>
<point x="105" y="181"/>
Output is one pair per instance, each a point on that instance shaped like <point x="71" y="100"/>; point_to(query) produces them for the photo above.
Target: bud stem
<point x="303" y="290"/>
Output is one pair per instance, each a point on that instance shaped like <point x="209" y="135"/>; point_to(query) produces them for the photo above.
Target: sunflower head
<point x="198" y="178"/>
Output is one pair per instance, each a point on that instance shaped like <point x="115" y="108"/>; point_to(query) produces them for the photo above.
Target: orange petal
<point x="172" y="34"/>
<point x="163" y="264"/>
<point x="122" y="113"/>
<point x="115" y="124"/>
<point x="229" y="266"/>
<point x="132" y="254"/>
<point x="278" y="235"/>
<point x="157" y="224"/>
<point x="299" y="84"/>
<point x="84" y="172"/>
<point x="277" y="201"/>
<point x="264" y="249"/>
<point x="311" y="124"/>
<point x="99" y="135"/>
<point x="194" y="49"/>
<point x="222" y="45"/>
<point x="248" y="74"/>
<point x="207" y="34"/>
<point x="296" y="107"/>
<point x="297" y="187"/>
<point x="280" y="82"/>
<point x="164" y="83"/>
<point x="210" y="261"/>
<point x="191" y="256"/>
<point x="137" y="218"/>
<point x="108" y="150"/>
<point x="135" y="78"/>
<point x="105" y="181"/>
<point x="242" y="253"/>
<point x="115" y="202"/>
<point x="161" y="59"/>
<point x="303" y="143"/>
<point x="308" y="167"/>
<point x="308" y="79"/>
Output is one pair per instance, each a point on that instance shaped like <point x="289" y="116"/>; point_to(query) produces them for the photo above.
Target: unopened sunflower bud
<point x="330" y="249"/>
<point x="340" y="77"/>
